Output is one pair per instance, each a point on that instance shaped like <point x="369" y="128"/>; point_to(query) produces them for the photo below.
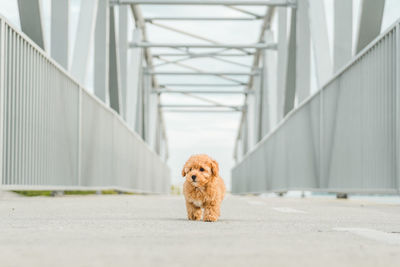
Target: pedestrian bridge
<point x="341" y="136"/>
<point x="320" y="113"/>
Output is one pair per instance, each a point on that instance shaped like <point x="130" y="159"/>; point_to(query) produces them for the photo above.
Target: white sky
<point x="192" y="133"/>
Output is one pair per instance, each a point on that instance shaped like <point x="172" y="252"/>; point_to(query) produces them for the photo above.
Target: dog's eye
<point x="201" y="169"/>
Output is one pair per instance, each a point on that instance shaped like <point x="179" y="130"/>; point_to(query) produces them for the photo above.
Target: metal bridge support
<point x="59" y="32"/>
<point x="114" y="81"/>
<point x="371" y="13"/>
<point x="123" y="56"/>
<point x="134" y="80"/>
<point x="282" y="61"/>
<point x="30" y="15"/>
<point x="2" y="95"/>
<point x="303" y="51"/>
<point x="290" y="84"/>
<point x="269" y="79"/>
<point x="320" y="42"/>
<point x="343" y="33"/>
<point x="86" y="22"/>
<point x="101" y="51"/>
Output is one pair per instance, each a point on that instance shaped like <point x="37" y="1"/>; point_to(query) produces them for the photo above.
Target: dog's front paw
<point x="194" y="218"/>
<point x="210" y="218"/>
<point x="195" y="215"/>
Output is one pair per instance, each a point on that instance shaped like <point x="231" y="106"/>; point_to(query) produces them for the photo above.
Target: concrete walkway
<point x="123" y="230"/>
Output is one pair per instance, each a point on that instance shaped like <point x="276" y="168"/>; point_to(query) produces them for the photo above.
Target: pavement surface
<point x="126" y="230"/>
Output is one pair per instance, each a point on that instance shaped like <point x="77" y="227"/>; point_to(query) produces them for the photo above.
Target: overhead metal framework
<point x="248" y="78"/>
<point x="290" y="3"/>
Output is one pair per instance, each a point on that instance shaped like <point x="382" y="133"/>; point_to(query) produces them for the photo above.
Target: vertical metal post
<point x="114" y="81"/>
<point x="86" y="25"/>
<point x="2" y="101"/>
<point x="157" y="146"/>
<point x="343" y="33"/>
<point x="370" y="21"/>
<point x="134" y="80"/>
<point x="123" y="55"/>
<point x="258" y="105"/>
<point x="270" y="86"/>
<point x="303" y="51"/>
<point x="290" y="85"/>
<point x="397" y="88"/>
<point x="139" y="104"/>
<point x="265" y="108"/>
<point x="320" y="41"/>
<point x="80" y="143"/>
<point x="59" y="31"/>
<point x="101" y="51"/>
<point x="245" y="133"/>
<point x="282" y="60"/>
<point x="30" y="16"/>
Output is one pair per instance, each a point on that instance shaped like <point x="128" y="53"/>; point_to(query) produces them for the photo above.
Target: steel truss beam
<point x="200" y="70"/>
<point x="200" y="111"/>
<point x="244" y="11"/>
<point x="200" y="73"/>
<point x="201" y="85"/>
<point x="150" y="19"/>
<point x="196" y="36"/>
<point x="242" y="130"/>
<point x="290" y="3"/>
<point x="200" y="106"/>
<point x="202" y="54"/>
<point x="187" y="46"/>
<point x="140" y="24"/>
<point x="189" y="57"/>
<point x="204" y="99"/>
<point x="200" y="92"/>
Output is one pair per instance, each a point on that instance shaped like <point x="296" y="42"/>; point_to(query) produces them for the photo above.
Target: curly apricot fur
<point x="206" y="191"/>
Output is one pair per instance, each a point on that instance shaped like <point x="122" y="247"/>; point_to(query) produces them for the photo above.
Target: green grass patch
<point x="175" y="190"/>
<point x="77" y="192"/>
<point x="34" y="193"/>
<point x="38" y="193"/>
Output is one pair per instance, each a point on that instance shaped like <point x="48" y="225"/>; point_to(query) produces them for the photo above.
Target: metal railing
<point x="344" y="138"/>
<point x="55" y="135"/>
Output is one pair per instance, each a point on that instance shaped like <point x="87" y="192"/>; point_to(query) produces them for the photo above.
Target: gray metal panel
<point x="342" y="139"/>
<point x="3" y="43"/>
<point x="123" y="171"/>
<point x="97" y="143"/>
<point x="41" y="113"/>
<point x="397" y="88"/>
<point x="57" y="136"/>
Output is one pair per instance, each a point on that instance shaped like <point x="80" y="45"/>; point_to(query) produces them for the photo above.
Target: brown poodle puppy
<point x="203" y="188"/>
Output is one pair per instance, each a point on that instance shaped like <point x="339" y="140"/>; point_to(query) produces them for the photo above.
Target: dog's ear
<point x="184" y="171"/>
<point x="214" y="167"/>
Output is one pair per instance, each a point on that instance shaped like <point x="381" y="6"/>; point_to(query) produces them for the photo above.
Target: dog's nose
<point x="193" y="177"/>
